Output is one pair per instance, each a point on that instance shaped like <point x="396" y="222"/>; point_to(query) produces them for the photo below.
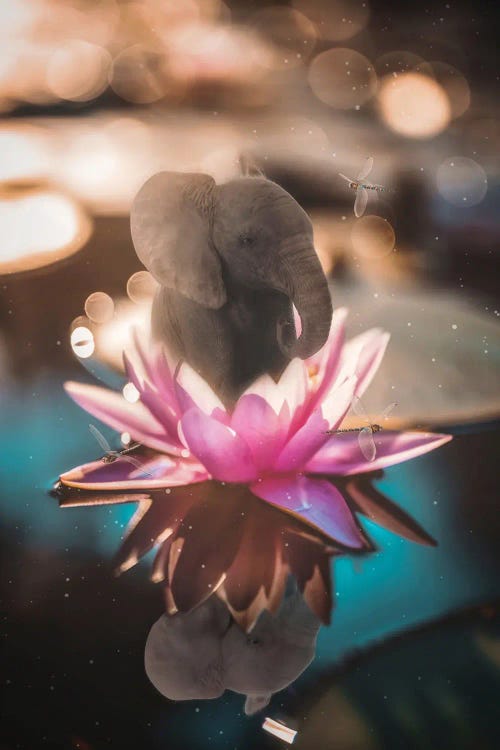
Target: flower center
<point x="312" y="372"/>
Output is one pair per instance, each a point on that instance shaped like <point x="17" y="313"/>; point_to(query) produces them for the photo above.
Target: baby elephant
<point x="231" y="261"/>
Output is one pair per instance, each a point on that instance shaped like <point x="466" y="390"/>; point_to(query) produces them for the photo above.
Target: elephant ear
<point x="256" y="703"/>
<point x="170" y="223"/>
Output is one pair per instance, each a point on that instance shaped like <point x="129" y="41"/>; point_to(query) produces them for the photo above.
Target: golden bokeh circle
<point x="342" y="78"/>
<point x="372" y="237"/>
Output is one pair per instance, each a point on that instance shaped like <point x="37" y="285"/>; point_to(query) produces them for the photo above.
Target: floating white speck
<point x="279" y="730"/>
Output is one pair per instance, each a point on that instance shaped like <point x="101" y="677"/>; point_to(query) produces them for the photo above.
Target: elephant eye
<point x="253" y="641"/>
<point x="247" y="239"/>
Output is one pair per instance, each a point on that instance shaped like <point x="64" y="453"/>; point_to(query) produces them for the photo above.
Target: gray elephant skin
<point x="231" y="261"/>
<point x="202" y="653"/>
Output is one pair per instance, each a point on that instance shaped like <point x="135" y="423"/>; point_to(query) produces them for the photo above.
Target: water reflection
<point x="204" y="652"/>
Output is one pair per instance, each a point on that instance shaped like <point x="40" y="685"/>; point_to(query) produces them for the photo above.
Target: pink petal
<point x="193" y="391"/>
<point x="312" y="435"/>
<point x="330" y="353"/>
<point x="314" y="501"/>
<point x="220" y="449"/>
<point x="329" y="363"/>
<point x="114" y="410"/>
<point x="263" y="430"/>
<point x="362" y="356"/>
<point x="162" y="406"/>
<point x="161" y="410"/>
<point x="341" y="455"/>
<point x="121" y="475"/>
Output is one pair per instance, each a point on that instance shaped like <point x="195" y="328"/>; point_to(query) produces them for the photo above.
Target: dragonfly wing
<point x="360" y="202"/>
<point x="367" y="443"/>
<point x="135" y="463"/>
<point x="347" y="179"/>
<point x="388" y="409"/>
<point x="358" y="408"/>
<point x="367" y="168"/>
<point x="100" y="438"/>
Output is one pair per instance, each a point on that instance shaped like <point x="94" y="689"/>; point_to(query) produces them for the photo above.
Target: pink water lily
<point x="273" y="442"/>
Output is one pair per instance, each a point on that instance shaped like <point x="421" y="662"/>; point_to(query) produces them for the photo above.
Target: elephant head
<point x="205" y="240"/>
<point x="201" y="653"/>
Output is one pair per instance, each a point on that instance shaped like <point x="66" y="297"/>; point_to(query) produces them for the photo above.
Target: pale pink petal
<point x="329" y="365"/>
<point x="341" y="454"/>
<point x="321" y="369"/>
<point x="293" y="384"/>
<point x="155" y="472"/>
<point x="315" y="502"/>
<point x="218" y="447"/>
<point x="297" y="321"/>
<point x="193" y="391"/>
<point x="362" y="356"/>
<point x="265" y="387"/>
<point x="114" y="410"/>
<point x="312" y="435"/>
<point x="330" y="351"/>
<point x="263" y="430"/>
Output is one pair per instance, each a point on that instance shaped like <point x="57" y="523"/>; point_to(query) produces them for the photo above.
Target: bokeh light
<point x="99" y="307"/>
<point x="397" y="61"/>
<point x="453" y="83"/>
<point x="78" y="70"/>
<point x="413" y="105"/>
<point x="130" y="393"/>
<point x="342" y="78"/>
<point x="114" y="337"/>
<point x="292" y="34"/>
<point x="141" y="286"/>
<point x="372" y="237"/>
<point x="139" y="74"/>
<point x="337" y="20"/>
<point x="24" y="154"/>
<point x="462" y="181"/>
<point x="332" y="237"/>
<point x="82" y="342"/>
<point x="39" y="227"/>
<point x="125" y="439"/>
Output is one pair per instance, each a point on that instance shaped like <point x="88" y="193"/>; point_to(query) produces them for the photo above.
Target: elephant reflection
<point x="231" y="261"/>
<point x="204" y="652"/>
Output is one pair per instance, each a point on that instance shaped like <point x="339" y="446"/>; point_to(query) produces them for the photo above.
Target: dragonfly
<point x="111" y="455"/>
<point x="361" y="187"/>
<point x="365" y="434"/>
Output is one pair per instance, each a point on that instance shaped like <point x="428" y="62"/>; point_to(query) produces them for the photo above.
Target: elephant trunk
<point x="303" y="280"/>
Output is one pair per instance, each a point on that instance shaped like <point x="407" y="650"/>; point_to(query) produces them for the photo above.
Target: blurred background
<point x="96" y="96"/>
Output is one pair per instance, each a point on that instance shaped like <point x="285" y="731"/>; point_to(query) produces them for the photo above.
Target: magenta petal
<point x="220" y="449"/>
<point x="314" y="501"/>
<point x="114" y="410"/>
<point x="341" y="454"/>
<point x="312" y="435"/>
<point x="263" y="430"/>
<point x="156" y="472"/>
